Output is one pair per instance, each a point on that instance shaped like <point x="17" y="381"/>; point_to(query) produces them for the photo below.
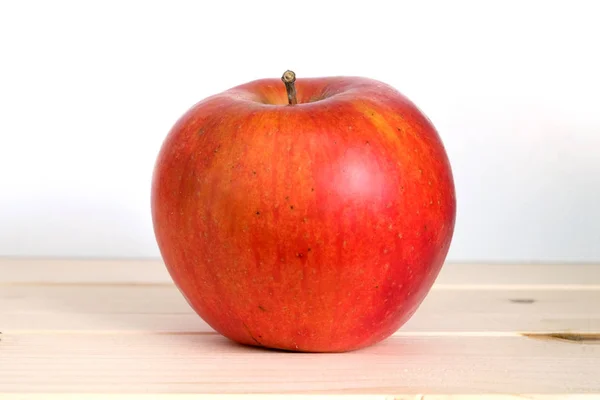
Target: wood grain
<point x="454" y="276"/>
<point x="96" y="329"/>
<point x="162" y="308"/>
<point x="201" y="363"/>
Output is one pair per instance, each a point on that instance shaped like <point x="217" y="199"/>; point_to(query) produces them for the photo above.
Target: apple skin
<point x="314" y="227"/>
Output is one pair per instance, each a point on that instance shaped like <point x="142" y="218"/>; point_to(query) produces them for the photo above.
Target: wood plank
<point x="200" y="363"/>
<point x="133" y="308"/>
<point x="453" y="275"/>
<point x="121" y="327"/>
<point x="521" y="275"/>
<point x="25" y="270"/>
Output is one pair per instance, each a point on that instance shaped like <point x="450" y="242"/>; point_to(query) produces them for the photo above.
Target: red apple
<point x="316" y="225"/>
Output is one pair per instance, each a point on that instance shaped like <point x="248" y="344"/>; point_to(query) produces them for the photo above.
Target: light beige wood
<point x="208" y="363"/>
<point x="162" y="308"/>
<point x="35" y="271"/>
<point x="96" y="329"/>
<point x="454" y="276"/>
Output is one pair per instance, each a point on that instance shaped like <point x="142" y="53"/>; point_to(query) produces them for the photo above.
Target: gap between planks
<point x="456" y="275"/>
<point x="162" y="308"/>
<point x="575" y="337"/>
<point x="212" y="364"/>
<point x="440" y="286"/>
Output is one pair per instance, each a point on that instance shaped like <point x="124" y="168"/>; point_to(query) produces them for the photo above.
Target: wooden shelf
<point x="111" y="329"/>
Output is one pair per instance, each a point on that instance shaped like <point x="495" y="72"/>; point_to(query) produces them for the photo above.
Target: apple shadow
<point x="155" y="308"/>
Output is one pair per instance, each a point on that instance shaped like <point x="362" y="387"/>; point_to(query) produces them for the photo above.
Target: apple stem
<point x="289" y="77"/>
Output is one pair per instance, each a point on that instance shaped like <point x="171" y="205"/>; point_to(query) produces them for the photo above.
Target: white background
<point x="89" y="89"/>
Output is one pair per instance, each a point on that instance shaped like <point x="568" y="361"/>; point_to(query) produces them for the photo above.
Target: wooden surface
<point x="120" y="329"/>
